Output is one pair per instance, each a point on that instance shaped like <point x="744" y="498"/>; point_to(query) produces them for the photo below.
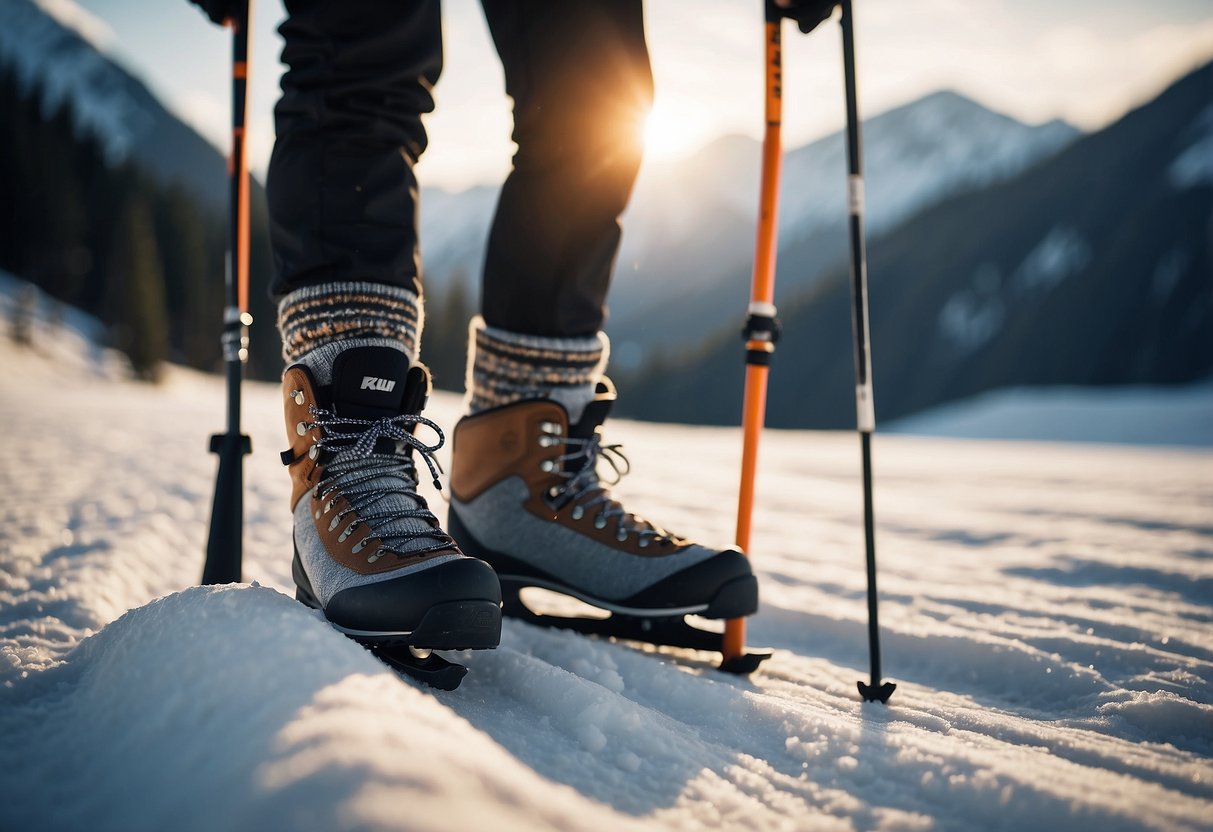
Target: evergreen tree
<point x="444" y="340"/>
<point x="135" y="305"/>
<point x="193" y="278"/>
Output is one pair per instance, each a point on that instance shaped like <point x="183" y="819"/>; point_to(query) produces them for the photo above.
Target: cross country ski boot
<point x="368" y="551"/>
<point x="526" y="497"/>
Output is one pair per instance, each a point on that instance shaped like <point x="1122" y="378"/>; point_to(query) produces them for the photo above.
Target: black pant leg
<point x="578" y="71"/>
<point x="342" y="194"/>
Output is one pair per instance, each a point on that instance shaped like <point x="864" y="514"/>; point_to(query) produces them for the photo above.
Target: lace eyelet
<point x="313" y="452"/>
<point x="297" y="395"/>
<point x="644" y="543"/>
<point x="578" y="512"/>
<point x="622" y="535"/>
<point x="551" y="428"/>
<point x="547" y="466"/>
<point x="600" y="522"/>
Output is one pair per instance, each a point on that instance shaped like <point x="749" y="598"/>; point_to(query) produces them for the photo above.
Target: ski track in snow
<point x="1047" y="612"/>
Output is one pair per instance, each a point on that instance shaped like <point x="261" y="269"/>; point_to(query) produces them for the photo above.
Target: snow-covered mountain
<point x="914" y="155"/>
<point x="1046" y="615"/>
<point x="1093" y="267"/>
<point x="684" y="265"/>
<point x="56" y="48"/>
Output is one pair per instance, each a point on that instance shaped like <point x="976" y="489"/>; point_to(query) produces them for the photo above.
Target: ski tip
<point x="433" y="670"/>
<point x="876" y="693"/>
<point x="746" y="663"/>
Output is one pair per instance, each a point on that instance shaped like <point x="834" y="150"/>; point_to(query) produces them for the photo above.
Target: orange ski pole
<point x="761" y="329"/>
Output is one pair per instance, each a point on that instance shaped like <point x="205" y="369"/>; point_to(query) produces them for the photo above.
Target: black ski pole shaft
<point x="224" y="552"/>
<point x="865" y="411"/>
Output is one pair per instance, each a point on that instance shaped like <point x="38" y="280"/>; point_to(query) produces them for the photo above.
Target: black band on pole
<point x="762" y="328"/>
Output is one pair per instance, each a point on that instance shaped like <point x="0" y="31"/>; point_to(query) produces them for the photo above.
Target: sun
<point x="667" y="135"/>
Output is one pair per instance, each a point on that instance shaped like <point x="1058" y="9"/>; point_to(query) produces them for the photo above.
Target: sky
<point x="1085" y="61"/>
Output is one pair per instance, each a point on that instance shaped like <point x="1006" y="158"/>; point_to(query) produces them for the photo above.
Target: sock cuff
<point x="505" y="367"/>
<point x="328" y="313"/>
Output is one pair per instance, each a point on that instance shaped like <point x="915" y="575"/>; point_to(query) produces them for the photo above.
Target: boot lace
<point x="587" y="491"/>
<point x="369" y="479"/>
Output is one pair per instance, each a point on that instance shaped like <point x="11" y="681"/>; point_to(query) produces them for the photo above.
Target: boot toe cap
<point x="400" y="604"/>
<point x="725" y="580"/>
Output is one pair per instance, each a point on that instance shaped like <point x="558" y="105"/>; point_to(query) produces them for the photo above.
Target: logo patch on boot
<point x="372" y="383"/>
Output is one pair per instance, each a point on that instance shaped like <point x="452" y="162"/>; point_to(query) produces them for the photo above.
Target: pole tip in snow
<point x="876" y="693"/>
<point x="746" y="663"/>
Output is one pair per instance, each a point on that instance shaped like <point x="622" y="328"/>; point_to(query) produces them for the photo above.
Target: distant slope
<point x="1180" y="416"/>
<point x="107" y="101"/>
<point x="1093" y="267"/>
<point x="136" y="135"/>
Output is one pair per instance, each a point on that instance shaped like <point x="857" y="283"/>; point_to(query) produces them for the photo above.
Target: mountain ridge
<point x="1092" y="267"/>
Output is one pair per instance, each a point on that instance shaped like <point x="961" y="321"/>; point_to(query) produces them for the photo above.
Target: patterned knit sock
<point x="505" y="367"/>
<point x="317" y="322"/>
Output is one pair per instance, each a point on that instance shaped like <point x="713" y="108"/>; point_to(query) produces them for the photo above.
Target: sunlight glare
<point x="667" y="136"/>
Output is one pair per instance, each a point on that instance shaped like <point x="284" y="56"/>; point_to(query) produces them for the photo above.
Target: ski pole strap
<point x="761" y="333"/>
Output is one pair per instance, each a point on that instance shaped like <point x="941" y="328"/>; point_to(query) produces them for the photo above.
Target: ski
<point x="658" y="630"/>
<point x="426" y="667"/>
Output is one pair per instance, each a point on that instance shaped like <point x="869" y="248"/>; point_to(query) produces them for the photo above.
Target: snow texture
<point x="972" y="316"/>
<point x="1048" y="615"/>
<point x="1194" y="167"/>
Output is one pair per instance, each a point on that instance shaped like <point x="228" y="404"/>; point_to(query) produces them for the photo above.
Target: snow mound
<point x="310" y="731"/>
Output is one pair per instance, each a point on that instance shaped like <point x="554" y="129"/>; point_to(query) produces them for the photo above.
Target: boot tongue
<point x="372" y="382"/>
<point x="592" y="417"/>
<point x="595" y="413"/>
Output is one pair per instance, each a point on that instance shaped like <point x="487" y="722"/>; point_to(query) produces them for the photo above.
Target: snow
<point x="1061" y="253"/>
<point x="1194" y="166"/>
<point x="973" y="315"/>
<point x="1181" y="415"/>
<point x="1047" y="612"/>
<point x="914" y="156"/>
